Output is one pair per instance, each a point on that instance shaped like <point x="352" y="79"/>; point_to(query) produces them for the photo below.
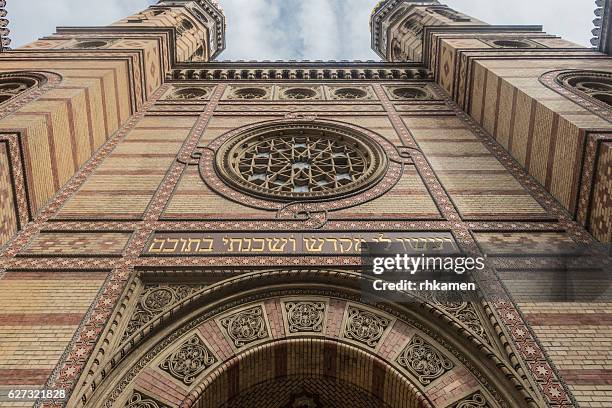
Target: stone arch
<point x="201" y="325"/>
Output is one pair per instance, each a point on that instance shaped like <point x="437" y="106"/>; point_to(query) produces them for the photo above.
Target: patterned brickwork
<point x="475" y="180"/>
<point x="544" y="243"/>
<point x="78" y="244"/>
<point x="40" y="312"/>
<point x="8" y="210"/>
<point x="146" y="180"/>
<point x="600" y="222"/>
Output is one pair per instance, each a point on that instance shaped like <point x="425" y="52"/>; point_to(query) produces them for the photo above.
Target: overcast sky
<point x="298" y="29"/>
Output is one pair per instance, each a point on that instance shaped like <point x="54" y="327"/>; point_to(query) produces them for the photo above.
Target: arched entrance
<point x="280" y="335"/>
<point x="306" y="373"/>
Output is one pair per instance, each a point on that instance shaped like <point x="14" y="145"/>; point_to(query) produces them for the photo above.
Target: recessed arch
<point x="306" y="372"/>
<point x="202" y="314"/>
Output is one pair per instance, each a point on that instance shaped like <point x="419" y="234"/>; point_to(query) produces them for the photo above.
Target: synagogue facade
<point x="179" y="231"/>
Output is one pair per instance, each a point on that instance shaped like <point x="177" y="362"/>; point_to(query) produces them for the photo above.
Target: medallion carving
<point x="423" y="361"/>
<point x="305" y="316"/>
<point x="190" y="360"/>
<point x="476" y="400"/>
<point x="139" y="400"/>
<point x="365" y="326"/>
<point x="246" y="326"/>
<point x="154" y="301"/>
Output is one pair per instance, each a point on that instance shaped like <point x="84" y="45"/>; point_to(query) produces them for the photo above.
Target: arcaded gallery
<point x="182" y="231"/>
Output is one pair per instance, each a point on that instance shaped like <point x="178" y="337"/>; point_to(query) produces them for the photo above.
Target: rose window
<point x="512" y="44"/>
<point x="301" y="162"/>
<point x="91" y="44"/>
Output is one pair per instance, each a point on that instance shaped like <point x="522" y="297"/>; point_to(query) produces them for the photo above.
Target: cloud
<point x="32" y="19"/>
<point x="256" y="30"/>
<point x="298" y="29"/>
<point x="569" y="19"/>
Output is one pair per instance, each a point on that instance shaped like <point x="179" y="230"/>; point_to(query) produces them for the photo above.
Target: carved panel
<point x="245" y="327"/>
<point x="365" y="326"/>
<point x="154" y="301"/>
<point x="190" y="360"/>
<point x="476" y="400"/>
<point x="139" y="400"/>
<point x="423" y="361"/>
<point x="304" y="316"/>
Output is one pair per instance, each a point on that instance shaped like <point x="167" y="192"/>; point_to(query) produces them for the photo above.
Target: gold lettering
<point x="314" y="244"/>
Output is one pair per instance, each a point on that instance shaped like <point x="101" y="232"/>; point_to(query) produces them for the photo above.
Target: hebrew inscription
<point x="319" y="243"/>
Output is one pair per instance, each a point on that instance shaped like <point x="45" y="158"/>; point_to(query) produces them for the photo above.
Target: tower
<point x="182" y="231"/>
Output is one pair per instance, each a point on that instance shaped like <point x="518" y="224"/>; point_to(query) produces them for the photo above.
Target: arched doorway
<point x="306" y="373"/>
<point x="282" y="334"/>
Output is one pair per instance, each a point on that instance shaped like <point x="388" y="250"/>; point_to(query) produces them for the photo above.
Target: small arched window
<point x="592" y="84"/>
<point x="14" y="84"/>
<point x="590" y="89"/>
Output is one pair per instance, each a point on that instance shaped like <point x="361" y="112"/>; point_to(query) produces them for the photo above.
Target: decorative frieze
<point x="375" y="73"/>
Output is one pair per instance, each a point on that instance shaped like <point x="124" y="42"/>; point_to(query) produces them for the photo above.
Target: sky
<point x="298" y="29"/>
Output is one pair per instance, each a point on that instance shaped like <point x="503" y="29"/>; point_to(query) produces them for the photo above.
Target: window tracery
<point x="300" y="93"/>
<point x="596" y="85"/>
<point x="300" y="162"/>
<point x="91" y="44"/>
<point x="411" y="93"/>
<point x="12" y="85"/>
<point x="250" y="93"/>
<point x="350" y="93"/>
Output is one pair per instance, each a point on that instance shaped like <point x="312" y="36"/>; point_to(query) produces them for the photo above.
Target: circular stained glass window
<point x="301" y="162"/>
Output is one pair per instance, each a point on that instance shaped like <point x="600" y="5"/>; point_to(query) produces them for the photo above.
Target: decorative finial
<point x="5" y="41"/>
